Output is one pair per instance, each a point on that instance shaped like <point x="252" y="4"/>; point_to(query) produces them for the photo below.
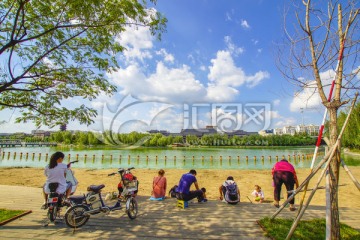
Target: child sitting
<point x="204" y="191"/>
<point x="258" y="194"/>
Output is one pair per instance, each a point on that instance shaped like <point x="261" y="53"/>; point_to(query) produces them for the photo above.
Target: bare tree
<point x="324" y="38"/>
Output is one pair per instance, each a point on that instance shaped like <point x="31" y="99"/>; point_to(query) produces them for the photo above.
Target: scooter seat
<point x="77" y="199"/>
<point x="95" y="188"/>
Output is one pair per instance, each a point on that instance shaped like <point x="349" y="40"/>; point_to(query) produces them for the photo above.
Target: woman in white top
<point x="56" y="173"/>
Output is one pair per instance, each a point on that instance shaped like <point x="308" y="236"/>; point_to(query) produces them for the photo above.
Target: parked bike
<point x="55" y="200"/>
<point x="93" y="203"/>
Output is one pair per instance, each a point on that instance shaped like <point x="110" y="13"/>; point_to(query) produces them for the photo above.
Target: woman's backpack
<point x="231" y="193"/>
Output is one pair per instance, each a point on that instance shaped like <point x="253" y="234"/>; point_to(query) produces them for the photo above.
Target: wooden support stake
<point x="347" y="170"/>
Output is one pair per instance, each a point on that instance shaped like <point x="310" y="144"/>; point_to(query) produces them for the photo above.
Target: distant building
<point x="198" y="132"/>
<point x="277" y="131"/>
<point x="40" y="133"/>
<point x="163" y="132"/>
<point x="289" y="130"/>
<point x="266" y="132"/>
<point x="240" y="133"/>
<point x="5" y="134"/>
<point x="310" y="129"/>
<point x="300" y="128"/>
<point x="208" y="130"/>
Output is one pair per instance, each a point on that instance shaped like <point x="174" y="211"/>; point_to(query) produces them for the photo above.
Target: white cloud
<point x="286" y="122"/>
<point x="255" y="41"/>
<point x="276" y="102"/>
<point x="137" y="41"/>
<point x="221" y="93"/>
<point x="232" y="48"/>
<point x="308" y="98"/>
<point x="272" y="114"/>
<point x="223" y="72"/>
<point x="172" y="85"/>
<point x="169" y="119"/>
<point x="228" y="17"/>
<point x="245" y="24"/>
<point x="191" y="58"/>
<point x="167" y="56"/>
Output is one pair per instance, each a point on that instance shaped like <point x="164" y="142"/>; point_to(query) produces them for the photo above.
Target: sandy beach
<point x="210" y="179"/>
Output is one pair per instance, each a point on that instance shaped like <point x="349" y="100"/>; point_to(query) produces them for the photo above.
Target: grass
<point x="6" y="214"/>
<point x="310" y="230"/>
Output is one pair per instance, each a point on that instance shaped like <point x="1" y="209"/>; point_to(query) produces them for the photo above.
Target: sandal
<point x="276" y="205"/>
<point x="292" y="209"/>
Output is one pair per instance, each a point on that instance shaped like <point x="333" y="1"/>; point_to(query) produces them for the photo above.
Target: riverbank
<point x="210" y="179"/>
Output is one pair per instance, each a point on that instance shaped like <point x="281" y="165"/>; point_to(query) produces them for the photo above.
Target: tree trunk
<point x="334" y="179"/>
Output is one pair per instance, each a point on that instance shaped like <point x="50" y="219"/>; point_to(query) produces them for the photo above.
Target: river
<point x="155" y="158"/>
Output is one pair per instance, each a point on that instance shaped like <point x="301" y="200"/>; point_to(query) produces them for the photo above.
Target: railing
<point x="155" y="160"/>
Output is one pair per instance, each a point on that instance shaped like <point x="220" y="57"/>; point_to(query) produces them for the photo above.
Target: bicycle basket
<point x="131" y="185"/>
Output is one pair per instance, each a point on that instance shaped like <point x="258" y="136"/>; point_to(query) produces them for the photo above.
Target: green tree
<point x="351" y="137"/>
<point x="192" y="140"/>
<point x="177" y="139"/>
<point x="67" y="137"/>
<point x="55" y="50"/>
<point x="57" y="137"/>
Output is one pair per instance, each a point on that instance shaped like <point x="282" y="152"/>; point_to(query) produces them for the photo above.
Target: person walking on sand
<point x="159" y="186"/>
<point x="284" y="173"/>
<point x="183" y="189"/>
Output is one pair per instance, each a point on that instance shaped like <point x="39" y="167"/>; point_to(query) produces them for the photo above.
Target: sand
<point x="349" y="195"/>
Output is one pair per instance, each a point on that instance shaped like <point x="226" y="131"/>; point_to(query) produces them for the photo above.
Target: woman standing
<point x="159" y="186"/>
<point x="284" y="173"/>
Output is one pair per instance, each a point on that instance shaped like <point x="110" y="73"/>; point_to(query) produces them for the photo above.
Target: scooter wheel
<point x="52" y="213"/>
<point x="75" y="216"/>
<point x="131" y="207"/>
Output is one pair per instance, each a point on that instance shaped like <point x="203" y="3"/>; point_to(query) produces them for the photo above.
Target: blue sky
<point x="214" y="65"/>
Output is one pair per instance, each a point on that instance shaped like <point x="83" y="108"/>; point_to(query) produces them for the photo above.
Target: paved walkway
<point x="211" y="220"/>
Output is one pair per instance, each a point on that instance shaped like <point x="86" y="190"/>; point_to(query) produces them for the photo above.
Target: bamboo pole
<point x="347" y="170"/>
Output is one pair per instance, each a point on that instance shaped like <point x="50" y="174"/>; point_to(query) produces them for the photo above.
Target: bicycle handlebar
<point x="69" y="164"/>
<point x="119" y="171"/>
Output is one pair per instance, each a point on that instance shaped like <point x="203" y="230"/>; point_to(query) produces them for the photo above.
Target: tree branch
<point x="7" y="13"/>
<point x="14" y="80"/>
<point x="313" y="55"/>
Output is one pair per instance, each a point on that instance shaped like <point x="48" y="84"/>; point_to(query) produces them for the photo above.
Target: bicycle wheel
<point x="52" y="213"/>
<point x="75" y="216"/>
<point x="131" y="207"/>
